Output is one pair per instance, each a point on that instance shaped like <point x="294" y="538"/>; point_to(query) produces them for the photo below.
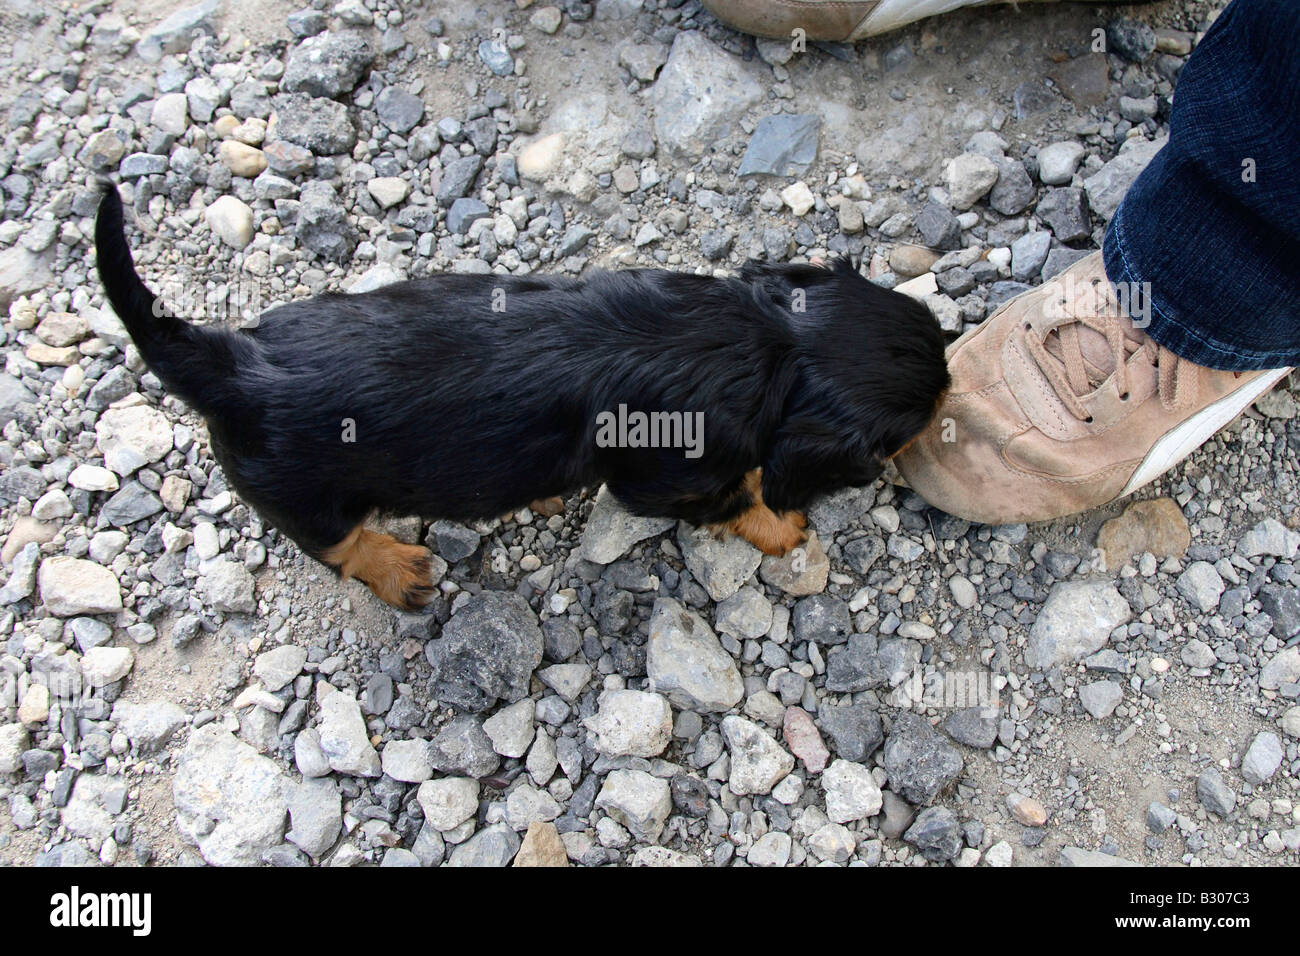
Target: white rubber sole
<point x="892" y="14"/>
<point x="1178" y="443"/>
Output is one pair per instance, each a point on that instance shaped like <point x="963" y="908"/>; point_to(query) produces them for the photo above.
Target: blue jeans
<point x="1212" y="225"/>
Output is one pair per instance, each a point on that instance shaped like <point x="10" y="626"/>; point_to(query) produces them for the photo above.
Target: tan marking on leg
<point x="771" y="532"/>
<point x="399" y="574"/>
<point x="547" y="507"/>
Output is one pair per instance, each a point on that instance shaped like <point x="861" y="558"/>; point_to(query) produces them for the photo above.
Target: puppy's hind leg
<point x="399" y="574"/>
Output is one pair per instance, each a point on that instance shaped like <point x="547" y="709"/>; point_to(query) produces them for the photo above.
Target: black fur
<point x="464" y="412"/>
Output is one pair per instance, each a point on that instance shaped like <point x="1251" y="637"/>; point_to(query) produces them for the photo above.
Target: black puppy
<point x="467" y="396"/>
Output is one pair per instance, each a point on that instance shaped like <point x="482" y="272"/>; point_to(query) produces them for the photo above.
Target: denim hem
<point x="1172" y="333"/>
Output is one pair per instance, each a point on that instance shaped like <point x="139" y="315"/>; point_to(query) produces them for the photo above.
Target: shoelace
<point x="1073" y="376"/>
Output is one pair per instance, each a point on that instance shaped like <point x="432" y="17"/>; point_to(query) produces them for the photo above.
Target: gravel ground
<point x="179" y="685"/>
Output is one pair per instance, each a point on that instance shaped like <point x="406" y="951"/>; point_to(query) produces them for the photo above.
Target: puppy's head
<point x="871" y="367"/>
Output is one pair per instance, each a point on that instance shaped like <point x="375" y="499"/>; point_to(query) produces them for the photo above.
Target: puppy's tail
<point x="178" y="353"/>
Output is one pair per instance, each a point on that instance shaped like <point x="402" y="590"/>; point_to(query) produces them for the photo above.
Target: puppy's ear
<point x="808" y="460"/>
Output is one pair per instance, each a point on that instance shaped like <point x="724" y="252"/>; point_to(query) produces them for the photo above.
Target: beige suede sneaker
<point x="1060" y="404"/>
<point x="833" y="19"/>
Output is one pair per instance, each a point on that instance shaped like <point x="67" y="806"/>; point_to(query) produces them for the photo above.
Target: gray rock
<point x="1138" y="109"/>
<point x="230" y="801"/>
<point x="1202" y="586"/>
<point x="1074" y="856"/>
<point x="1282" y="668"/>
<point x="1076" y="621"/>
<point x="1282" y="604"/>
<point x="1028" y="253"/>
<point x="1100" y="698"/>
<point x="758" y="762"/>
<point x="22" y="577"/>
<point x="176" y="32"/>
<point x="95" y="801"/>
<point x="131" y="503"/>
<point x="315" y="816"/>
<point x="1270" y="537"/>
<point x="462" y="748"/>
<point x="142" y="164"/>
<point x="782" y="145"/>
<point x="13" y="741"/>
<point x="1262" y="759"/>
<point x="228" y="586"/>
<point x="12" y="394"/>
<point x="399" y="109"/>
<point x="854" y="730"/>
<point x="328" y="64"/>
<point x="68" y="854"/>
<point x="715" y="244"/>
<point x="1160" y="818"/>
<point x="822" y="618"/>
<point x="1134" y="40"/>
<point x="1214" y="794"/>
<point x="1014" y="190"/>
<point x="720" y="565"/>
<point x="685" y="662"/>
<point x="973" y="726"/>
<point x="631" y="723"/>
<point x="745" y="615"/>
<point x="492" y="846"/>
<point x="1060" y="259"/>
<point x="458" y="178"/>
<point x="409" y="761"/>
<point x="511" y="728"/>
<point x="315" y="123"/>
<point x="1058" y="161"/>
<point x="937" y="834"/>
<point x="862" y="553"/>
<point x="969" y="177"/>
<point x="920" y="763"/>
<point x="1107" y="186"/>
<point x="488" y="651"/>
<point x="1198" y="654"/>
<point x="700" y="95"/>
<point x="453" y="541"/>
<point x="1065" y="213"/>
<point x="643" y="60"/>
<point x="287" y="158"/>
<point x="71" y="586"/>
<point x="464" y="212"/>
<point x="86" y="632"/>
<point x="323" y="226"/>
<point x="612" y="530"/>
<point x="851" y="792"/>
<point x="448" y="802"/>
<point x="638" y="801"/>
<point x="562" y="639"/>
<point x="280" y="665"/>
<point x="938" y="227"/>
<point x="496" y="58"/>
<point x="856" y="666"/>
<point x="343" y="736"/>
<point x="308" y="756"/>
<point x="148" y="725"/>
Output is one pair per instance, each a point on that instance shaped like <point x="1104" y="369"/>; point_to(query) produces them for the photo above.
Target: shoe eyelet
<point x="1124" y="397"/>
<point x="1088" y="420"/>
